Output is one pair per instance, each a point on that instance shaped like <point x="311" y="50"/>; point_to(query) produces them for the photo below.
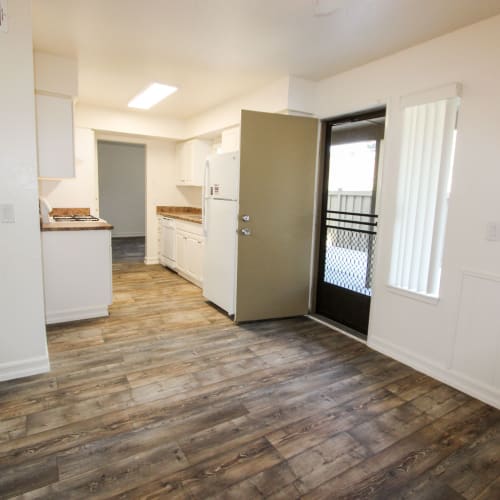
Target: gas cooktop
<point x="75" y="218"/>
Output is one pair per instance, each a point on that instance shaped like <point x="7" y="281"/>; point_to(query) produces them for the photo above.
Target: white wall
<point x="122" y="187"/>
<point x="452" y="339"/>
<point x="55" y="74"/>
<point x="301" y="96"/>
<point x="80" y="191"/>
<point x="272" y="98"/>
<point x="23" y="348"/>
<point x="132" y="122"/>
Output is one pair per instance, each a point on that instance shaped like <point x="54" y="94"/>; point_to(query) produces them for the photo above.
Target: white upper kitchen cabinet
<point x="190" y="159"/>
<point x="55" y="137"/>
<point x="190" y="243"/>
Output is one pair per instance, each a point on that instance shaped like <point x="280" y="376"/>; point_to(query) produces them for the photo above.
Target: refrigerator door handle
<point x="204" y="196"/>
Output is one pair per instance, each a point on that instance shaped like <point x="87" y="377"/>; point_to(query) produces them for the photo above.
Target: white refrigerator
<point x="220" y="221"/>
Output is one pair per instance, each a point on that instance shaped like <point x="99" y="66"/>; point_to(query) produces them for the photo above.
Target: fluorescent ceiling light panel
<point x="155" y="93"/>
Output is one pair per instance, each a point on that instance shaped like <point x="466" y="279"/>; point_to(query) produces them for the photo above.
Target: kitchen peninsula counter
<point x="77" y="269"/>
<point x="76" y="226"/>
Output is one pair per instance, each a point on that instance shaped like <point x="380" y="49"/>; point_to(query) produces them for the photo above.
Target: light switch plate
<point x="493" y="231"/>
<point x="4" y="25"/>
<point x="7" y="214"/>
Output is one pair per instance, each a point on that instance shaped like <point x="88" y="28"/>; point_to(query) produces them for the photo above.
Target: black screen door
<point x="348" y="219"/>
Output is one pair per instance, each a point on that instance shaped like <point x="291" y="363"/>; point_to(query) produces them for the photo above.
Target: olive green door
<point x="276" y="197"/>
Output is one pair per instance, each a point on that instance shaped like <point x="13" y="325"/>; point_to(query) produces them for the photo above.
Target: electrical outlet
<point x="3" y="16"/>
<point x="493" y="231"/>
<point x="7" y="213"/>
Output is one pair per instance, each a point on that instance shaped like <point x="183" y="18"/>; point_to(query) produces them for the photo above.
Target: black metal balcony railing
<point x="349" y="255"/>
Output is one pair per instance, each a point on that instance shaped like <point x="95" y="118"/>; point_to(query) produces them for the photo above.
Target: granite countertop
<point x="189" y="214"/>
<point x="75" y="226"/>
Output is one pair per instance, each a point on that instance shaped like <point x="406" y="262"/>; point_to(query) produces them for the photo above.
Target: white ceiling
<point x="214" y="50"/>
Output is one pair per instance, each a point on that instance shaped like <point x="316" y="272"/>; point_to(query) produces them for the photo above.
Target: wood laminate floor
<point x="128" y="249"/>
<point x="167" y="398"/>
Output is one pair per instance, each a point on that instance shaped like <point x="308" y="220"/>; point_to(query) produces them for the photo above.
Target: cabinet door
<point x="180" y="240"/>
<point x="160" y="237"/>
<point x="168" y="243"/>
<point x="170" y="252"/>
<point x="199" y="153"/>
<point x="178" y="163"/>
<point x="187" y="165"/>
<point x="188" y="248"/>
<point x="184" y="164"/>
<point x="190" y="162"/>
<point x="54" y="123"/>
<point x="197" y="259"/>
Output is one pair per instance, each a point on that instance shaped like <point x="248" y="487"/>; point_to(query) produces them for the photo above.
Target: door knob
<point x="246" y="232"/>
<point x="245" y="218"/>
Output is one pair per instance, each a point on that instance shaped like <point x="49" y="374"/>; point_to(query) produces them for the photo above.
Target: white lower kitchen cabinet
<point x="189" y="250"/>
<point x="77" y="268"/>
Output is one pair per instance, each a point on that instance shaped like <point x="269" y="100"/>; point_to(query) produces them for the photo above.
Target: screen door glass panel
<point x="350" y="238"/>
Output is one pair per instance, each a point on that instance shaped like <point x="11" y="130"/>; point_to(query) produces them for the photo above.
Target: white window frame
<point x="426" y="163"/>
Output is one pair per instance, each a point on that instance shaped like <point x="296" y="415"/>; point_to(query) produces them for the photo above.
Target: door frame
<point x="322" y="171"/>
<point x="111" y="137"/>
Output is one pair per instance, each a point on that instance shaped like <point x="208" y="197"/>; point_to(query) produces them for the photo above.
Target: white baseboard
<point x="75" y="314"/>
<point x="477" y="389"/>
<point x="151" y="260"/>
<point x="24" y="368"/>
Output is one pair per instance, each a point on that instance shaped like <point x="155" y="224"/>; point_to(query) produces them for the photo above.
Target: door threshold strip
<point x="336" y="327"/>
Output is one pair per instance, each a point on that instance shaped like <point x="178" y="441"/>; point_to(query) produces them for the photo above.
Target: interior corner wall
<point x="23" y="347"/>
<point x="301" y="96"/>
<point x="272" y="98"/>
<point x="450" y="340"/>
<point x="56" y="74"/>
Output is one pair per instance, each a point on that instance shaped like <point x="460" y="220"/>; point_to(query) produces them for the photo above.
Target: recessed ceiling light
<point x="155" y="93"/>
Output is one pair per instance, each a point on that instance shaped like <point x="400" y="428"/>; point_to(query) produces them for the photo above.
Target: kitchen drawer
<point x="189" y="227"/>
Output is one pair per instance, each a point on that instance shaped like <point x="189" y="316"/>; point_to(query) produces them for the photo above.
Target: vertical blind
<point x="425" y="169"/>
